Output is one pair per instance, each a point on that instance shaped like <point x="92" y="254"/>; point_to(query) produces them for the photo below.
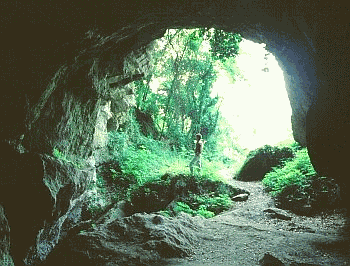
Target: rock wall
<point x="73" y="111"/>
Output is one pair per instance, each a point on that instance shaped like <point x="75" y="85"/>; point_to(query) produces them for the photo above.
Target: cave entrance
<point x="201" y="77"/>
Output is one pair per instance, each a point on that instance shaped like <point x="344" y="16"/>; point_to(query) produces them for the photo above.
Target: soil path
<point x="243" y="235"/>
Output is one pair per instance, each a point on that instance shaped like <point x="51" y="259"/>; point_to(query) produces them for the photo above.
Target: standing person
<point x="198" y="151"/>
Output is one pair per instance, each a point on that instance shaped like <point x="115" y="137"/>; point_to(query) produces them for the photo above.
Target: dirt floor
<point x="245" y="234"/>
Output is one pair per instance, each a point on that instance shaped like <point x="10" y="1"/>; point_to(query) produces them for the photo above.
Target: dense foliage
<point x="177" y="92"/>
<point x="296" y="185"/>
<point x="297" y="172"/>
<point x="148" y="174"/>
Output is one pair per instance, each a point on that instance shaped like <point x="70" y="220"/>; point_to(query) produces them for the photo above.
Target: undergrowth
<point x="296" y="172"/>
<point x="142" y="171"/>
<point x="204" y="205"/>
<point x="147" y="159"/>
<point x="295" y="184"/>
<point x="183" y="193"/>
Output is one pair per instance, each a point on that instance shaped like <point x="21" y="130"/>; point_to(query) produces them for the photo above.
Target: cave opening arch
<point x="310" y="41"/>
<point x="94" y="51"/>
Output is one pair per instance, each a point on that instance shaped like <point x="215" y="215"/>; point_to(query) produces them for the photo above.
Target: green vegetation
<point x="295" y="184"/>
<point x="206" y="206"/>
<point x="182" y="193"/>
<point x="147" y="173"/>
<point x="262" y="160"/>
<point x="150" y="154"/>
<point x="176" y="95"/>
<point x="297" y="172"/>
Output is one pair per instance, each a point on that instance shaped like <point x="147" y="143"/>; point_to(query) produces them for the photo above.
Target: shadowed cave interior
<point x="66" y="70"/>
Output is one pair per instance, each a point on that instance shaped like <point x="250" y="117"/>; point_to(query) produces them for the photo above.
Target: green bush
<point x="204" y="205"/>
<point x="291" y="184"/>
<point x="202" y="211"/>
<point x="262" y="160"/>
<point x="298" y="171"/>
<point x="183" y="207"/>
<point x="145" y="159"/>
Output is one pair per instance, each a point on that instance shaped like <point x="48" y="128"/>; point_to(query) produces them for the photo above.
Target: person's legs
<point x="191" y="164"/>
<point x="200" y="164"/>
<point x="196" y="161"/>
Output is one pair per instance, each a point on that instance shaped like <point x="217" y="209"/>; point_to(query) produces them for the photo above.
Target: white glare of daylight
<point x="257" y="105"/>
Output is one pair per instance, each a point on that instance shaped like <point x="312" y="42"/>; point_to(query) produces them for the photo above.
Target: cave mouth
<point x="81" y="47"/>
<point x="87" y="91"/>
<point x="169" y="80"/>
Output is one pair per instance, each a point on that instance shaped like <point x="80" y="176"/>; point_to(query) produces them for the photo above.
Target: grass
<point x="204" y="205"/>
<point x="148" y="160"/>
<point x="142" y="171"/>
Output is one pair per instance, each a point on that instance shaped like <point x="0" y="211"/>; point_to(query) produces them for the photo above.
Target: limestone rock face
<point x="69" y="187"/>
<point x="24" y="196"/>
<point x="139" y="239"/>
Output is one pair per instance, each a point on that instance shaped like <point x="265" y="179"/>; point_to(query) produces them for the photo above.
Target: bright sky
<point x="257" y="107"/>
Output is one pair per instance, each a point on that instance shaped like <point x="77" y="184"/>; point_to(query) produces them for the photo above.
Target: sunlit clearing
<point x="256" y="103"/>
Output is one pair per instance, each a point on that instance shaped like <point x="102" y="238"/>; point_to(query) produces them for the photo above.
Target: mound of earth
<point x="261" y="161"/>
<point x="162" y="194"/>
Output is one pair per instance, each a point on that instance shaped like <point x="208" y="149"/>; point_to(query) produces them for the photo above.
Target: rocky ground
<point x="254" y="232"/>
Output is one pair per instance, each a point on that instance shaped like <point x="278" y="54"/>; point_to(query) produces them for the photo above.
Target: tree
<point x="224" y="45"/>
<point x="184" y="67"/>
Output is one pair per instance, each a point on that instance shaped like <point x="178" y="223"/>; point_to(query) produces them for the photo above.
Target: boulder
<point x="69" y="189"/>
<point x="269" y="260"/>
<point x="240" y="197"/>
<point x="261" y="161"/>
<point x="278" y="213"/>
<point x="140" y="239"/>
